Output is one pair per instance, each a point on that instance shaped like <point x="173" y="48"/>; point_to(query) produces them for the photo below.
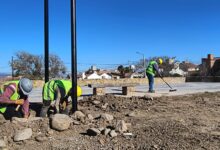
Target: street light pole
<point x="73" y="55"/>
<point x="144" y="65"/>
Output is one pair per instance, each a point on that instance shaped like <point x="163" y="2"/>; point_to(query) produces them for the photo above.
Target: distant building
<point x="106" y="76"/>
<point x="94" y="75"/>
<point x="177" y="71"/>
<point x="210" y="66"/>
<point x="132" y="75"/>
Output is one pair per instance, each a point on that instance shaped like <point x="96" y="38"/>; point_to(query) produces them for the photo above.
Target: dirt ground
<point x="180" y="122"/>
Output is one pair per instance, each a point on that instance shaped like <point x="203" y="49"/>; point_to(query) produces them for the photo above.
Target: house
<point x="94" y="75"/>
<point x="106" y="76"/>
<point x="177" y="71"/>
<point x="115" y="75"/>
<point x="132" y="75"/>
<point x="210" y="65"/>
<point x="188" y="66"/>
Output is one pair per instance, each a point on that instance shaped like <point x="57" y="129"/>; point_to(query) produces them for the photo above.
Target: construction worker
<point x="55" y="96"/>
<point x="13" y="95"/>
<point x="151" y="70"/>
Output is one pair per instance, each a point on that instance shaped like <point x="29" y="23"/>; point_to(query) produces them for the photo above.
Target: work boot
<point x="151" y="91"/>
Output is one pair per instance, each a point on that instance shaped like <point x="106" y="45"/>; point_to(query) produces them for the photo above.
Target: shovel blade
<point x="173" y="90"/>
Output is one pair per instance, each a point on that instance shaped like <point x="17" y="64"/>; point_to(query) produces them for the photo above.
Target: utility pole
<point x="144" y="64"/>
<point x="12" y="68"/>
<point x="73" y="55"/>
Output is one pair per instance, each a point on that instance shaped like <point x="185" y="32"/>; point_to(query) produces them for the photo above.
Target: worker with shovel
<point x="151" y="70"/>
<point x="14" y="94"/>
<point x="55" y="97"/>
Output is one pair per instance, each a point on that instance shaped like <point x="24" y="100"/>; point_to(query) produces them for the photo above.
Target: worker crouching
<point x="13" y="95"/>
<point x="55" y="97"/>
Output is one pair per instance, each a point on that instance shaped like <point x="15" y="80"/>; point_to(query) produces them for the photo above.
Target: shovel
<point x="171" y="89"/>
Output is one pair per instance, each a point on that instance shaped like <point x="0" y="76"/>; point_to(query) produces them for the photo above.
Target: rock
<point x="16" y="120"/>
<point x="136" y="114"/>
<point x="105" y="106"/>
<point x="3" y="145"/>
<point x="32" y="113"/>
<point x="2" y="119"/>
<point x="132" y="114"/>
<point x="107" y="117"/>
<point x="96" y="116"/>
<point x="93" y="132"/>
<point x="106" y="131"/>
<point x="35" y="119"/>
<point x="23" y="134"/>
<point x="76" y="122"/>
<point x="96" y="102"/>
<point x="79" y="114"/>
<point x="146" y="97"/>
<point x="50" y="132"/>
<point x="101" y="129"/>
<point x="113" y="133"/>
<point x="41" y="138"/>
<point x="90" y="117"/>
<point x="121" y="126"/>
<point x="60" y="122"/>
<point x="127" y="134"/>
<point x="102" y="141"/>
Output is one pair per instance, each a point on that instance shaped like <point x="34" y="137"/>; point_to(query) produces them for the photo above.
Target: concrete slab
<point x="161" y="90"/>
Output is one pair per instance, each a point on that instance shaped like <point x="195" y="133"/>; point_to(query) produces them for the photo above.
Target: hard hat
<point x="79" y="91"/>
<point x="25" y="85"/>
<point x="160" y="61"/>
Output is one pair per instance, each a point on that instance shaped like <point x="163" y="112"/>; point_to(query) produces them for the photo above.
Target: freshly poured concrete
<point x="161" y="90"/>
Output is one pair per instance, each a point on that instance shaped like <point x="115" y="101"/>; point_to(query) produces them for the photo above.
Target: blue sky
<point x="111" y="31"/>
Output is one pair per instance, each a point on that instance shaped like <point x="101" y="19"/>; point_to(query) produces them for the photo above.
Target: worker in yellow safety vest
<point x="151" y="71"/>
<point x="55" y="96"/>
<point x="14" y="94"/>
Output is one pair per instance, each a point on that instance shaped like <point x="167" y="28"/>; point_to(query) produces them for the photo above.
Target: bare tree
<point x="56" y="66"/>
<point x="29" y="65"/>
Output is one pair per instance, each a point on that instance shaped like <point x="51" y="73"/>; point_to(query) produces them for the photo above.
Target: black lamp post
<point x="73" y="55"/>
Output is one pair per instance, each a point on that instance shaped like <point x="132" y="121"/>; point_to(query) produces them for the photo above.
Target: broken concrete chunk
<point x="2" y="119"/>
<point x="2" y="144"/>
<point x="96" y="102"/>
<point x="23" y="134"/>
<point x="79" y="114"/>
<point x="107" y="117"/>
<point x="93" y="132"/>
<point x="106" y="131"/>
<point x="121" y="126"/>
<point x="101" y="129"/>
<point x="60" y="122"/>
<point x="113" y="133"/>
<point x="41" y="138"/>
<point x="146" y="97"/>
<point x="105" y="106"/>
<point x="127" y="134"/>
<point x="16" y="119"/>
<point x="90" y="117"/>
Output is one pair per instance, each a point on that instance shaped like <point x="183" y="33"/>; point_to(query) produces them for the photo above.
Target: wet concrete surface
<point x="161" y="90"/>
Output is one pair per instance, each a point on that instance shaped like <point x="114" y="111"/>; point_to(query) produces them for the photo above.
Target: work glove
<point x="19" y="102"/>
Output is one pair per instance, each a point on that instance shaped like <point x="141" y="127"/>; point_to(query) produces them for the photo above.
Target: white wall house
<point x="94" y="76"/>
<point x="106" y="76"/>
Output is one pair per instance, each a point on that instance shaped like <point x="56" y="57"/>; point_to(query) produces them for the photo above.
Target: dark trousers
<point x="151" y="81"/>
<point x="11" y="112"/>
